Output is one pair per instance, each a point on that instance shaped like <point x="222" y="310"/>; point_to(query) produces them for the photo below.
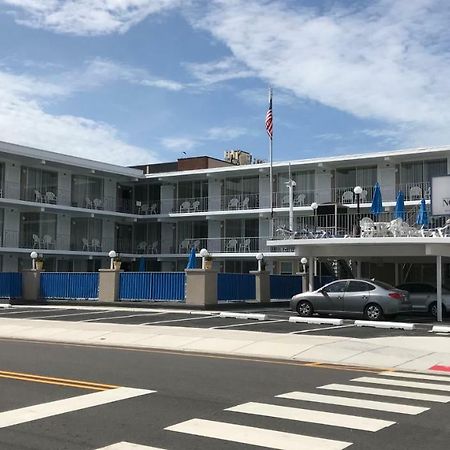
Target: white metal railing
<point x="300" y="198"/>
<point x="192" y="204"/>
<point x="46" y="241"/>
<point x="235" y="202"/>
<point x="345" y="195"/>
<point x="415" y="190"/>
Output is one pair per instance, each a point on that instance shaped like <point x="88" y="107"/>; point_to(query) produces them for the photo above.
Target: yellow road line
<point x="56" y="381"/>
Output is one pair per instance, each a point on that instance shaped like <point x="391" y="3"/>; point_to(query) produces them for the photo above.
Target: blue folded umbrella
<point x="377" y="202"/>
<point x="400" y="211"/>
<point x="141" y="267"/>
<point x="422" y="215"/>
<point x="192" y="262"/>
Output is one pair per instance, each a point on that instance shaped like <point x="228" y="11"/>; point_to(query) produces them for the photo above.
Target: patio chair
<point x="50" y="197"/>
<point x="86" y="245"/>
<point x="185" y="207"/>
<point x="195" y="205"/>
<point x="347" y="197"/>
<point x="95" y="245"/>
<point x="285" y="200"/>
<point x="245" y="245"/>
<point x="88" y="202"/>
<point x="245" y="203"/>
<point x="36" y="241"/>
<point x="363" y="196"/>
<point x="231" y="245"/>
<point x="196" y="245"/>
<point x="98" y="203"/>
<point x="233" y="203"/>
<point x="37" y="196"/>
<point x="367" y="227"/>
<point x="47" y="241"/>
<point x="415" y="193"/>
<point x="394" y="227"/>
<point x="144" y="209"/>
<point x="153" y="208"/>
<point x="184" y="246"/>
<point x="141" y="247"/>
<point x="155" y="247"/>
<point x="445" y="230"/>
<point x="300" y="200"/>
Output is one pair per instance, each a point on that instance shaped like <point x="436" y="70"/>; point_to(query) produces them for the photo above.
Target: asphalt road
<point x="192" y="389"/>
<point x="277" y="321"/>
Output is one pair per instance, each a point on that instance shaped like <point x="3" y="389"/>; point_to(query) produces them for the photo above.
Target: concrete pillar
<point x="109" y="194"/>
<point x="386" y="178"/>
<point x="323" y="186"/>
<point x="264" y="189"/>
<point x="11" y="227"/>
<point x="264" y="230"/>
<point x="63" y="232"/>
<point x="262" y="284"/>
<point x="358" y="269"/>
<point x="12" y="180"/>
<point x="64" y="193"/>
<point x="214" y="195"/>
<point x="108" y="235"/>
<point x="31" y="285"/>
<point x="214" y="235"/>
<point x="201" y="287"/>
<point x="108" y="285"/>
<point x="168" y="244"/>
<point x="167" y="198"/>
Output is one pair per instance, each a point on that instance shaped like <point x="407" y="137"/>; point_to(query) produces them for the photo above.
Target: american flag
<point x="269" y="123"/>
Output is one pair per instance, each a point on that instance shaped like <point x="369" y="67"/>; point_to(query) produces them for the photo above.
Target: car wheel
<point x="304" y="308"/>
<point x="373" y="312"/>
<point x="433" y="309"/>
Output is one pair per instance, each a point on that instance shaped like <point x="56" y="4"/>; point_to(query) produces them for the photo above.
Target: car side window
<point x="359" y="286"/>
<point x="339" y="286"/>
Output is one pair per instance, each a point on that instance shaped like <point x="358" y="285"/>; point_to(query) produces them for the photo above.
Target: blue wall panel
<point x="236" y="286"/>
<point x="10" y="285"/>
<point x="285" y="286"/>
<point x="69" y="285"/>
<point x="167" y="286"/>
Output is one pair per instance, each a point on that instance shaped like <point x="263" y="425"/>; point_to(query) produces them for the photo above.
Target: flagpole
<point x="271" y="170"/>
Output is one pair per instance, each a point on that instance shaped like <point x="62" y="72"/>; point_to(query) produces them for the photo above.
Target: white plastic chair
<point x="141" y="247"/>
<point x="415" y="193"/>
<point x="285" y="200"/>
<point x="363" y="196"/>
<point x="85" y="243"/>
<point x="88" y="202"/>
<point x="245" y="246"/>
<point x="445" y="230"/>
<point x="195" y="205"/>
<point x="196" y="245"/>
<point x="37" y="196"/>
<point x="233" y="203"/>
<point x="347" y="197"/>
<point x="231" y="245"/>
<point x="95" y="245"/>
<point x="185" y="207"/>
<point x="184" y="246"/>
<point x="36" y="241"/>
<point x="367" y="227"/>
<point x="98" y="204"/>
<point x="153" y="208"/>
<point x="47" y="241"/>
<point x="50" y="197"/>
<point x="300" y="200"/>
<point x="245" y="203"/>
<point x="144" y="209"/>
<point x="155" y="246"/>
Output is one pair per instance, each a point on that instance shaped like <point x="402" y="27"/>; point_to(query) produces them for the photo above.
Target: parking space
<point x="275" y="320"/>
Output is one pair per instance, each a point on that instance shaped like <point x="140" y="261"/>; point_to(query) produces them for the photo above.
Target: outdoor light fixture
<point x="33" y="256"/>
<point x="357" y="191"/>
<point x="112" y="254"/>
<point x="314" y="207"/>
<point x="260" y="259"/>
<point x="304" y="262"/>
<point x="204" y="252"/>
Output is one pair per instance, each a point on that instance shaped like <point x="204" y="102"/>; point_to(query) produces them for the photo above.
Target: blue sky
<point x="138" y="81"/>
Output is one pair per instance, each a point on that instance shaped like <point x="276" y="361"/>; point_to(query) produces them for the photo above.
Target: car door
<point x="333" y="297"/>
<point x="356" y="296"/>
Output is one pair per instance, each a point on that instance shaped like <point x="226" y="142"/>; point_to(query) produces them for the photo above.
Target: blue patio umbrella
<point x="377" y="202"/>
<point x="192" y="262"/>
<point x="400" y="211"/>
<point x="141" y="267"/>
<point x="422" y="215"/>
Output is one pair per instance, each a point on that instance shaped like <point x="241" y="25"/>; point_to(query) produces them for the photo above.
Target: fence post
<point x="262" y="285"/>
<point x="108" y="285"/>
<point x="31" y="284"/>
<point x="201" y="287"/>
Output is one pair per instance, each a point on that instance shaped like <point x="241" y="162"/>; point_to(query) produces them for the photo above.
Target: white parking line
<point x="43" y="410"/>
<point x="417" y="376"/>
<point x="30" y="311"/>
<point x="176" y="320"/>
<point x="246" y="324"/>
<point x="323" y="328"/>
<point x="409" y="384"/>
<point x="70" y="315"/>
<point x="256" y="436"/>
<point x="312" y="416"/>
<point x="129" y="446"/>
<point x="122" y="317"/>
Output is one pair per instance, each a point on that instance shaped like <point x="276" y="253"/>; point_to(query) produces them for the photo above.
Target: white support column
<point x="358" y="269"/>
<point x="311" y="274"/>
<point x="439" y="287"/>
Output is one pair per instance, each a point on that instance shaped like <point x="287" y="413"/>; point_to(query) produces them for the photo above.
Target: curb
<point x="387" y="325"/>
<point x="226" y="315"/>
<point x="440" y="329"/>
<point x="315" y="320"/>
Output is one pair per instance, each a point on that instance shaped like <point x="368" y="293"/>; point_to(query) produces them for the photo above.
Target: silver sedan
<point x="371" y="299"/>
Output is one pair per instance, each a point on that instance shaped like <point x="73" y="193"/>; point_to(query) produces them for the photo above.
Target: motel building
<point x="73" y="211"/>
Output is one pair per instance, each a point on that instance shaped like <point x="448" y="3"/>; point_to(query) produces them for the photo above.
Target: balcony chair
<point x="141" y="247"/>
<point x="415" y="193"/>
<point x="88" y="202"/>
<point x="154" y="208"/>
<point x="233" y="203"/>
<point x="98" y="203"/>
<point x="86" y="246"/>
<point x="144" y="209"/>
<point x="367" y="227"/>
<point x="363" y="196"/>
<point x="245" y="203"/>
<point x="195" y="206"/>
<point x="231" y="245"/>
<point x="50" y="197"/>
<point x="154" y="247"/>
<point x="347" y="197"/>
<point x="184" y="246"/>
<point x="445" y="230"/>
<point x="37" y="196"/>
<point x="285" y="200"/>
<point x="300" y="200"/>
<point x="185" y="207"/>
<point x="245" y="245"/>
<point x="36" y="241"/>
<point x="95" y="245"/>
<point x="47" y="241"/>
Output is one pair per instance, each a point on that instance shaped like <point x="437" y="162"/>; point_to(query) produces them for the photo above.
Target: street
<point x="173" y="401"/>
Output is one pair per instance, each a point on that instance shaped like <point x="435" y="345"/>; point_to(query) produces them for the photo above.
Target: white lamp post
<point x="204" y="253"/>
<point x="33" y="256"/>
<point x="304" y="262"/>
<point x="357" y="190"/>
<point x="260" y="259"/>
<point x="112" y="254"/>
<point x="314" y="207"/>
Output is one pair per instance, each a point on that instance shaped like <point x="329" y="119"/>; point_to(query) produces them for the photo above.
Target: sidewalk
<point x="406" y="353"/>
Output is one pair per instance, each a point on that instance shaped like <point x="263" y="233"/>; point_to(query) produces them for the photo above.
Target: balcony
<point x="192" y="205"/>
<point x="345" y="195"/>
<point x="415" y="191"/>
<point x="46" y="241"/>
<point x="304" y="198"/>
<point x="235" y="202"/>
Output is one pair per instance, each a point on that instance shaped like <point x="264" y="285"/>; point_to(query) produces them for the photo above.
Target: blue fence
<point x="167" y="286"/>
<point x="10" y="285"/>
<point x="69" y="285"/>
<point x="236" y="286"/>
<point x="285" y="286"/>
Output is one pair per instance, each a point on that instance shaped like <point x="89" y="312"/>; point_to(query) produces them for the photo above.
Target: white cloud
<point x="385" y="60"/>
<point x="87" y="17"/>
<point x="24" y="121"/>
<point x="179" y="143"/>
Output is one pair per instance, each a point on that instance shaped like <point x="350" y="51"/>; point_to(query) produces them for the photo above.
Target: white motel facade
<point x="73" y="211"/>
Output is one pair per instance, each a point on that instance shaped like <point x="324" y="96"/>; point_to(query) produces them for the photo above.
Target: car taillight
<point x="396" y="295"/>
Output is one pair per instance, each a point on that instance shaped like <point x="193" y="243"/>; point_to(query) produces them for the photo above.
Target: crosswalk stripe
<point x="387" y="392"/>
<point x="417" y="376"/>
<point x="410" y="384"/>
<point x="354" y="402"/>
<point x="256" y="436"/>
<point x="129" y="446"/>
<point x="312" y="416"/>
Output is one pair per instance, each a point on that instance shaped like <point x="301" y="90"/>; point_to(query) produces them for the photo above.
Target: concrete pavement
<point x="419" y="353"/>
